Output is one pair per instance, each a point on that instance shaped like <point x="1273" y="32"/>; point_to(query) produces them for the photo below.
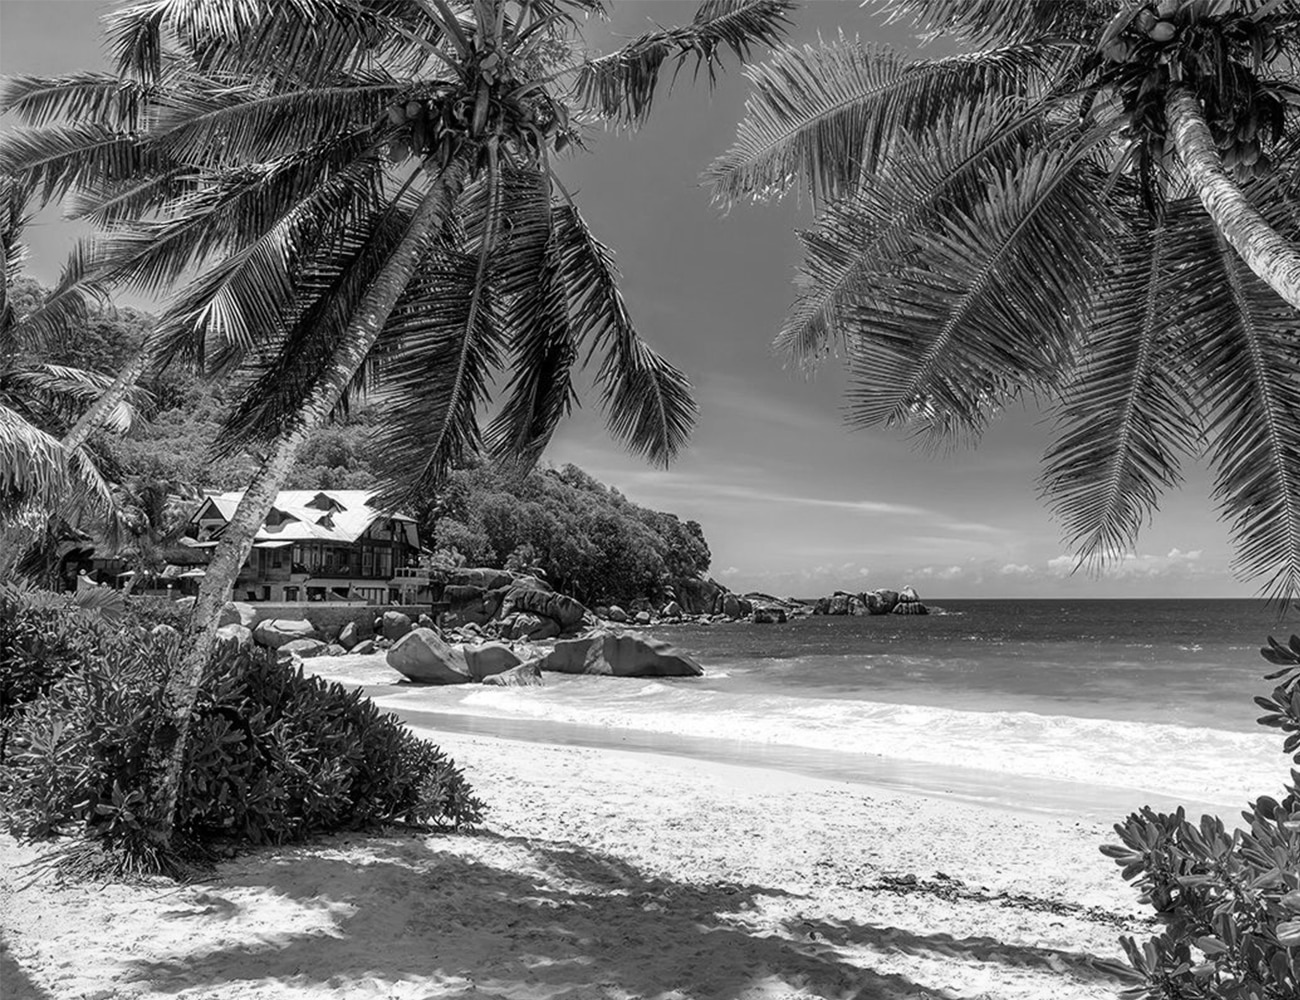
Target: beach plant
<point x="274" y="756"/>
<point x="1229" y="899"/>
<point x="358" y="196"/>
<point x="1088" y="203"/>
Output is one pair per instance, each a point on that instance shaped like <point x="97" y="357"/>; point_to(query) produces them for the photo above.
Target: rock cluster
<point x="872" y="602"/>
<point x="423" y="656"/>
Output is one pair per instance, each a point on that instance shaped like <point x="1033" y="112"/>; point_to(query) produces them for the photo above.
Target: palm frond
<point x="1126" y="414"/>
<point x="57" y="158"/>
<point x="862" y="237"/>
<point x="67" y="305"/>
<point x="33" y="465"/>
<point x="217" y="123"/>
<point x="647" y="401"/>
<point x="1247" y="362"/>
<point x="981" y="21"/>
<point x="67" y="390"/>
<point x="435" y="384"/>
<point x="988" y="304"/>
<point x="82" y="97"/>
<point x="621" y="86"/>
<point x="818" y="116"/>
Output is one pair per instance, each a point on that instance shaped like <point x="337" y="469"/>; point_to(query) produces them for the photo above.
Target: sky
<point x="791" y="501"/>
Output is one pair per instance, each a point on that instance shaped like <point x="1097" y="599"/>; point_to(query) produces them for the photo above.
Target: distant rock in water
<point x="872" y="602"/>
<point x="909" y="603"/>
<point x="769" y="616"/>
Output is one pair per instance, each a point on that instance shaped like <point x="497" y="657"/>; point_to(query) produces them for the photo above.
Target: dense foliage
<point x="273" y="755"/>
<point x="1230" y="901"/>
<point x="588" y="539"/>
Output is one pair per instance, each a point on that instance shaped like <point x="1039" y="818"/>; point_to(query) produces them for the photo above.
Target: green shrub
<point x="272" y="756"/>
<point x="42" y="639"/>
<point x="146" y="611"/>
<point x="1230" y="901"/>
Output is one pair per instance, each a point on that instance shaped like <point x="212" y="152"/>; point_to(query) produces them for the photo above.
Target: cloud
<point x="1131" y="565"/>
<point x="940" y="572"/>
<point x="729" y="571"/>
<point x="1017" y="569"/>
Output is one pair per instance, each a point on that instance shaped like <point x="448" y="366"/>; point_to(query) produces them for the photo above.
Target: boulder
<point x="535" y="627"/>
<point x="731" y="605"/>
<point x="489" y="659"/>
<point x="642" y="618"/>
<point x="768" y="616"/>
<point x="618" y="654"/>
<point x="858" y="604"/>
<point x="237" y="613"/>
<point x="234" y="638"/>
<point x="364" y="648"/>
<point x="468" y="604"/>
<point x="164" y="631"/>
<point x="881" y="602"/>
<point x="349" y="635"/>
<point x="698" y="596"/>
<point x="558" y="607"/>
<point x="334" y="649"/>
<point x="275" y="632"/>
<point x="525" y="675"/>
<point x="479" y="579"/>
<point x="395" y="625"/>
<point x="672" y="610"/>
<point x="424" y="621"/>
<point x="304" y="648"/>
<point x="616" y="614"/>
<point x="839" y="605"/>
<point x="600" y="611"/>
<point x="822" y="607"/>
<point x="909" y="603"/>
<point x="421" y="656"/>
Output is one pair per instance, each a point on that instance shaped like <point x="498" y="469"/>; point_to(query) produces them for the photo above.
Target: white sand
<point x="610" y="875"/>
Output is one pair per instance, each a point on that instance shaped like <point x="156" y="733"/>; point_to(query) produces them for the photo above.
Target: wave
<point x="1193" y="763"/>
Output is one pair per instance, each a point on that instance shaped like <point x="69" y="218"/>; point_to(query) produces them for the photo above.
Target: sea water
<point x="1064" y="706"/>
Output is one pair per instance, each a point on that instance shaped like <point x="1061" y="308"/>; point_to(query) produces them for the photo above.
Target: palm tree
<point x="1091" y="202"/>
<point x="361" y="194"/>
<point x="41" y="474"/>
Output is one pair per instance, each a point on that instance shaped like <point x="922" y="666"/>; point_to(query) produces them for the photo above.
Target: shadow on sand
<point x="14" y="984"/>
<point x="552" y="920"/>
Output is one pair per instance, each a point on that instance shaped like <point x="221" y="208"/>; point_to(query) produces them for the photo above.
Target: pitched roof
<point x="312" y="515"/>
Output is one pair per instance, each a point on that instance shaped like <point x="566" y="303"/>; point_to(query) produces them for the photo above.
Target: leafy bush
<point x="43" y="638"/>
<point x="1230" y="901"/>
<point x="272" y="756"/>
<point x="145" y="611"/>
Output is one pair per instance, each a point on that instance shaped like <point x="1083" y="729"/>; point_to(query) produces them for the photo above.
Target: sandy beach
<point x="608" y="874"/>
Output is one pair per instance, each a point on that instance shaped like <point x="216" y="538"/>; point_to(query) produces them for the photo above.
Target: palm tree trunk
<point x="93" y="418"/>
<point x="168" y="752"/>
<point x="1273" y="257"/>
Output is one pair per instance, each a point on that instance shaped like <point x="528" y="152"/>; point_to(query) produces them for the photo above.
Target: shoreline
<point x="604" y="873"/>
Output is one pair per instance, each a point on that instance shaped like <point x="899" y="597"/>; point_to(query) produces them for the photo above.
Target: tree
<point x="365" y="190"/>
<point x="45" y="406"/>
<point x="1092" y="203"/>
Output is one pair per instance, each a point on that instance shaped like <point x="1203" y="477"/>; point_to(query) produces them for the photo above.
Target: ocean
<point x="1077" y="707"/>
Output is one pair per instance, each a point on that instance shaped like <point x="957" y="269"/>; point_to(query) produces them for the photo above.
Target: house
<point x="320" y="545"/>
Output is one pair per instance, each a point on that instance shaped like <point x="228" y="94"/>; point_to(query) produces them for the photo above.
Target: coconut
<point x="1162" y="31"/>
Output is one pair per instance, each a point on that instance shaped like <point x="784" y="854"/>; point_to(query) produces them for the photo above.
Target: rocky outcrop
<point x="393" y="625"/>
<point x="302" y="648"/>
<point x="234" y="638"/>
<point x="839" y="604"/>
<point x="617" y="654"/>
<point x="481" y="579"/>
<point x="525" y="675"/>
<point x="275" y="632"/>
<point x="489" y="659"/>
<point x="909" y="603"/>
<point x="421" y="656"/>
<point x="237" y="613"/>
<point x="881" y="602"/>
<point x="769" y="616"/>
<point x="547" y="604"/>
